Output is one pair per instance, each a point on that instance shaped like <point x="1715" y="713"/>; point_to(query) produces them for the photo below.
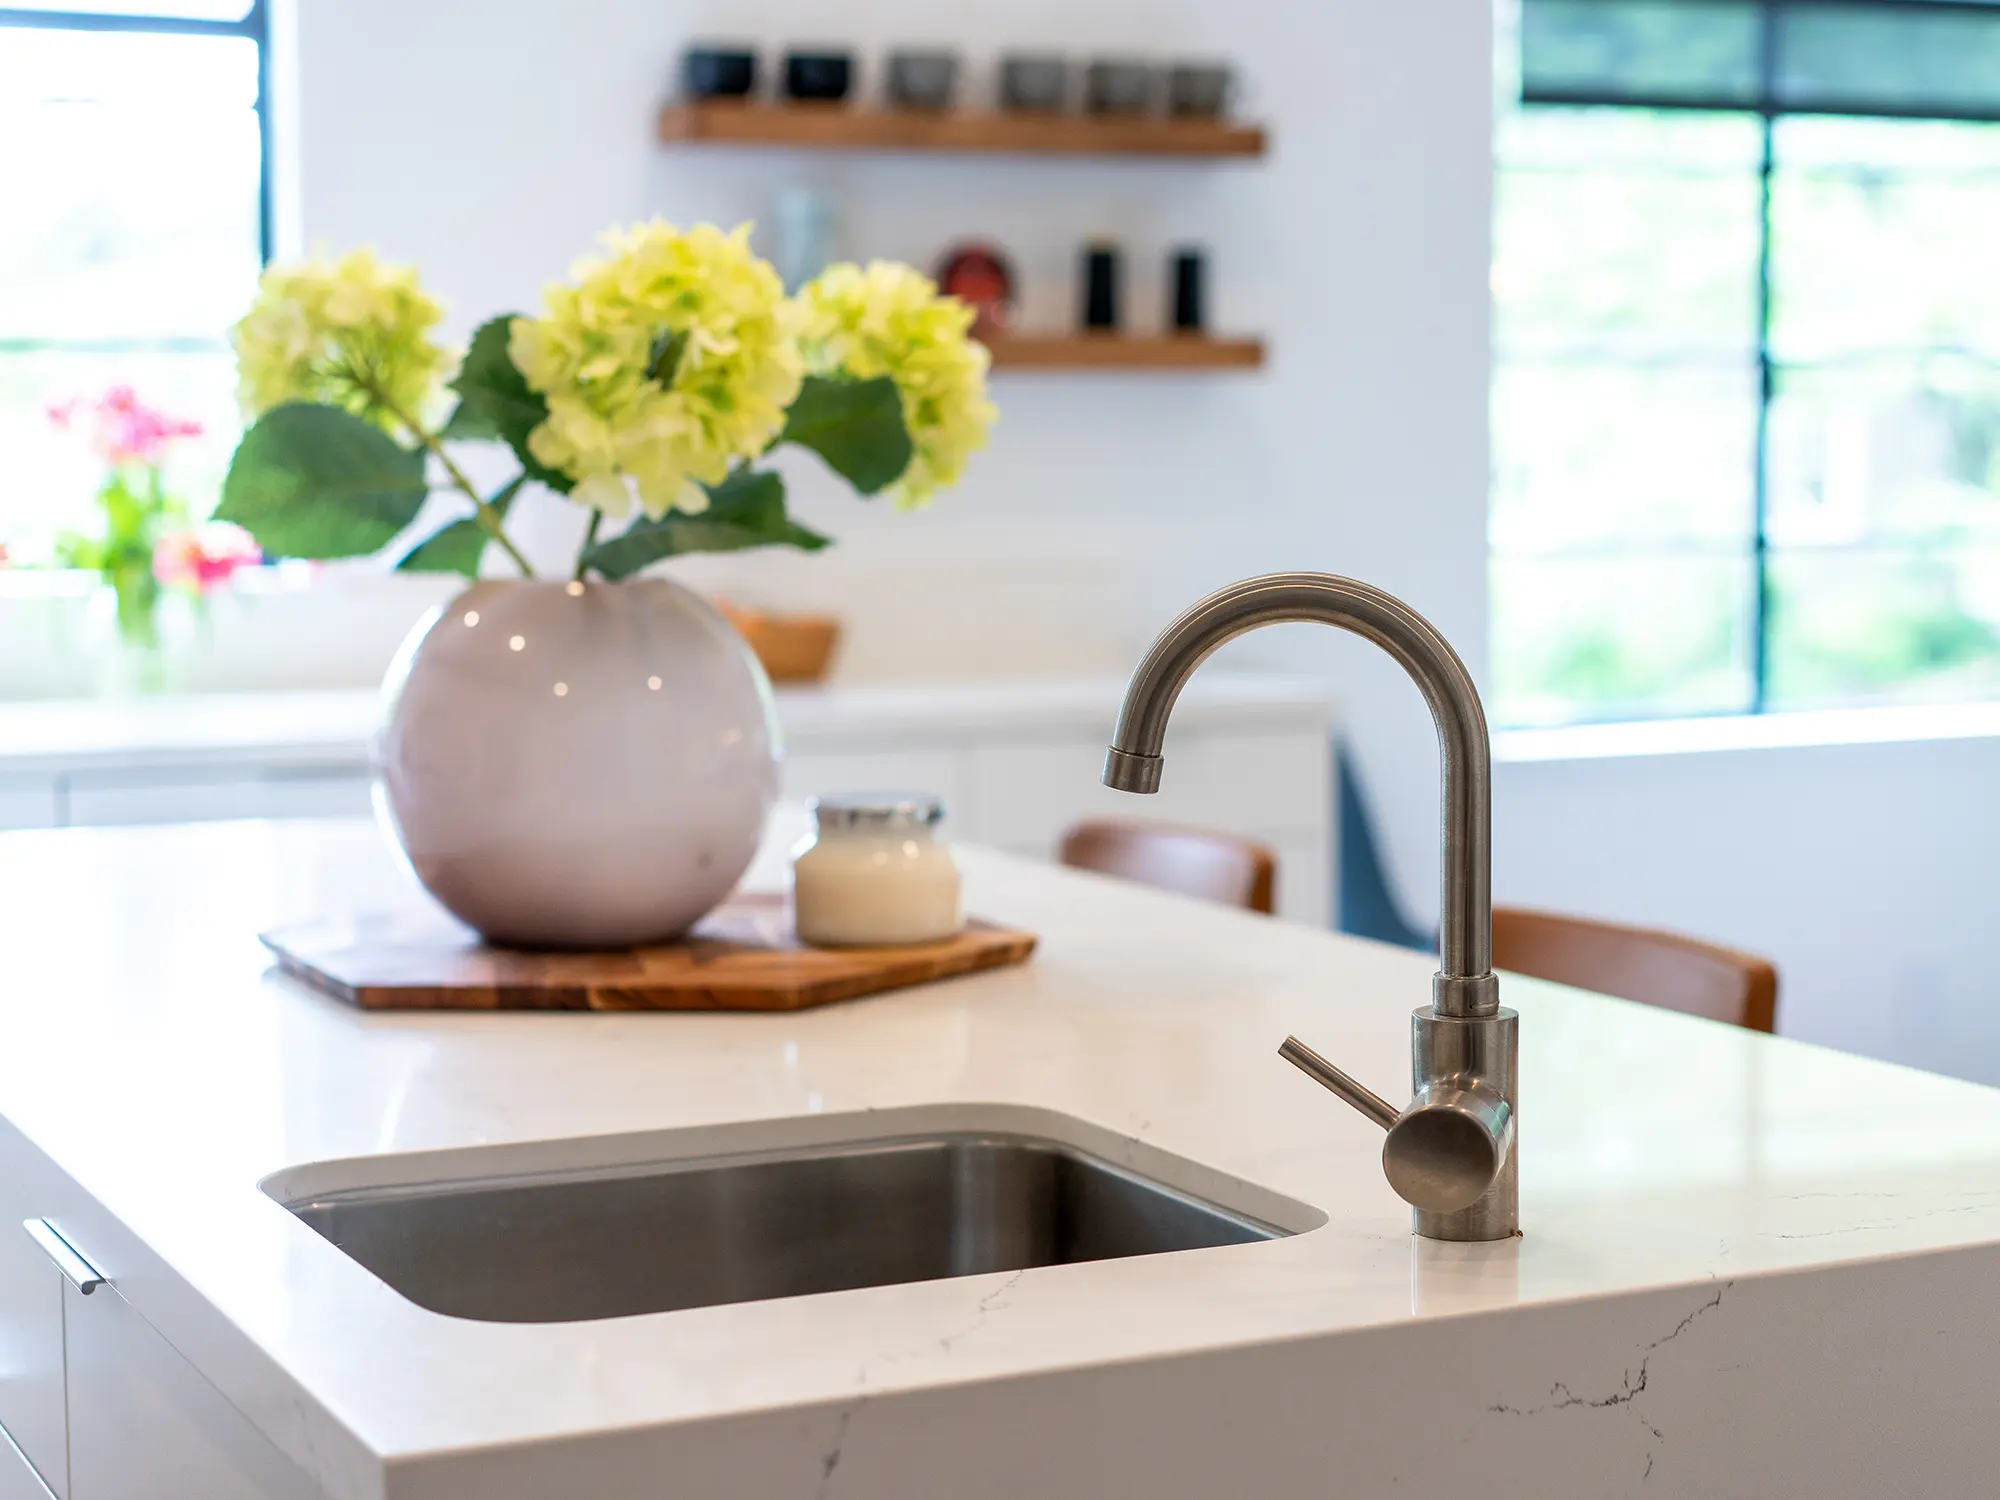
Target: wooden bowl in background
<point x="793" y="648"/>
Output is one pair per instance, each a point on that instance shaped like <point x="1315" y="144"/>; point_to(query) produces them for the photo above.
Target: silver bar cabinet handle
<point x="80" y="1273"/>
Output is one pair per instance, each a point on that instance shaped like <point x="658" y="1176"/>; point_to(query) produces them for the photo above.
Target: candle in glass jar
<point x="875" y="874"/>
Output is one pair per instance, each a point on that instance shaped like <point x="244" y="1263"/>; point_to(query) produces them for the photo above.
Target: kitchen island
<point x="1748" y="1266"/>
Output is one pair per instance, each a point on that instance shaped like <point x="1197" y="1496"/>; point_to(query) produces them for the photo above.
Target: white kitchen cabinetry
<point x="144" y="1424"/>
<point x="939" y="769"/>
<point x="1016" y="762"/>
<point x="27" y="802"/>
<point x="90" y="799"/>
<point x="1019" y="791"/>
<point x="18" y="1479"/>
<point x="31" y="1312"/>
<point x="31" y="1371"/>
<point x="94" y="1403"/>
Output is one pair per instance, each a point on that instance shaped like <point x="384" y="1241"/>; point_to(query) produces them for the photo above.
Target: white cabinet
<point x="1273" y="784"/>
<point x="1016" y="762"/>
<point x="31" y="1361"/>
<point x="144" y="1424"/>
<point x="31" y="1326"/>
<point x="1019" y="790"/>
<point x="1265" y="783"/>
<point x="131" y="797"/>
<point x="18" y="1479"/>
<point x="27" y="802"/>
<point x="94" y="1403"/>
<point x="887" y="768"/>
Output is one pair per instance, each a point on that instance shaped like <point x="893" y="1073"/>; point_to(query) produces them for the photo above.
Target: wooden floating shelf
<point x="1106" y="351"/>
<point x="846" y="127"/>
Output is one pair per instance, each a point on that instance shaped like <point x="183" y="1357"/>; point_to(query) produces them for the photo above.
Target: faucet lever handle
<point x="1445" y="1150"/>
<point x="1324" y="1073"/>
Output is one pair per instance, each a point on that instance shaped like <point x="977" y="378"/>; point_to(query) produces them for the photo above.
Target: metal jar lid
<point x="884" y="811"/>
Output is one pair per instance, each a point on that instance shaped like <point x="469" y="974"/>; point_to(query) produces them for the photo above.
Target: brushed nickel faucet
<point x="1450" y="1153"/>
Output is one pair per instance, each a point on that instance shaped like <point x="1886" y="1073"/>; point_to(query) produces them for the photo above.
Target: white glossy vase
<point x="577" y="765"/>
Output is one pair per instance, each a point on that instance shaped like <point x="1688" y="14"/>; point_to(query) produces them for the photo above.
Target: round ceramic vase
<point x="577" y="765"/>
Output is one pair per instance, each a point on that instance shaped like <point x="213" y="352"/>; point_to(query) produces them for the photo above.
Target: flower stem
<point x="487" y="517"/>
<point x="589" y="540"/>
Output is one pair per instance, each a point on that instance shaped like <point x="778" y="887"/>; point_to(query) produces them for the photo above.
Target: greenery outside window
<point x="137" y="218"/>
<point x="1746" y="394"/>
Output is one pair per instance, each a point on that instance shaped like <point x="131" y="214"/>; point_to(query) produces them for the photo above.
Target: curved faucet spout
<point x="1450" y="1152"/>
<point x="1465" y="938"/>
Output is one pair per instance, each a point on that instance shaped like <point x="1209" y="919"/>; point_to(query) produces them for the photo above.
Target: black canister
<point x="1189" y="312"/>
<point x="1100" y="287"/>
<point x="718" y="72"/>
<point x="822" y="77"/>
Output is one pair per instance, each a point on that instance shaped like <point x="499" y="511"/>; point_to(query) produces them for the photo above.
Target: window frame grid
<point x="254" y="25"/>
<point x="1770" y="22"/>
<point x="1767" y="110"/>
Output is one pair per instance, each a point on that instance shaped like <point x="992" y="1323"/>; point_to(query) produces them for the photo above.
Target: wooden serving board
<point x="742" y="956"/>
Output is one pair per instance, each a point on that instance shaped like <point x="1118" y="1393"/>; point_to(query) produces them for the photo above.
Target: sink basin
<point x="565" y="1246"/>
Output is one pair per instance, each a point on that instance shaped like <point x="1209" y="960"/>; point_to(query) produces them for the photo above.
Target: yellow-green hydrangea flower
<point x="352" y="332"/>
<point x="666" y="360"/>
<point x="889" y="320"/>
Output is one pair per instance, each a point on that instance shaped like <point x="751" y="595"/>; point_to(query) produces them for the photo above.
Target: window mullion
<point x="267" y="202"/>
<point x="1760" y="487"/>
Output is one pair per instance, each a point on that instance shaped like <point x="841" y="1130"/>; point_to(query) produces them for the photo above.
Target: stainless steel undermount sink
<point x="564" y="1246"/>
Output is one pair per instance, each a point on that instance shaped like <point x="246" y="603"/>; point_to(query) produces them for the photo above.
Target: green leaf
<point x="315" y="481"/>
<point x="665" y="357"/>
<point x="457" y="546"/>
<point x="856" y="426"/>
<point x="496" y="404"/>
<point x="745" y="510"/>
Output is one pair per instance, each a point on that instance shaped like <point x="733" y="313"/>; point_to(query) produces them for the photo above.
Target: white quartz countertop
<point x="149" y="1051"/>
<point x="337" y="726"/>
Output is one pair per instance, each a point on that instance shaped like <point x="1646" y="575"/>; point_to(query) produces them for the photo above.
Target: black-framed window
<point x="1746" y="404"/>
<point x="137" y="214"/>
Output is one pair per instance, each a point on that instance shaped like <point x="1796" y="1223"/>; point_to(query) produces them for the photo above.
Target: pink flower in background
<point x="203" y="557"/>
<point x="124" y="429"/>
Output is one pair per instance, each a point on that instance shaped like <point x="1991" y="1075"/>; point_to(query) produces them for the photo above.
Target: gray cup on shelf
<point x="922" y="80"/>
<point x="1199" y="91"/>
<point x="1034" y="85"/>
<point x="1114" y="87"/>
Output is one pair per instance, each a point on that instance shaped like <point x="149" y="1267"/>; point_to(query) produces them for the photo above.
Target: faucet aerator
<point x="1126" y="772"/>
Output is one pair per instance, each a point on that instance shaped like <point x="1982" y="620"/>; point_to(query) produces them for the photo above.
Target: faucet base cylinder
<point x="1464" y="1052"/>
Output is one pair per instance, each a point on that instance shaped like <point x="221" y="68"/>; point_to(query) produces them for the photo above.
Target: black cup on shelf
<point x="819" y="76"/>
<point x="1187" y="311"/>
<point x="1115" y="87"/>
<point x="922" y="80"/>
<point x="1100" y="287"/>
<point x="1198" y="91"/>
<point x="711" y="72"/>
<point x="1034" y="85"/>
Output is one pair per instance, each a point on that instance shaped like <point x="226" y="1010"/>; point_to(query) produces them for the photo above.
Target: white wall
<point x="1870" y="874"/>
<point x="491" y="142"/>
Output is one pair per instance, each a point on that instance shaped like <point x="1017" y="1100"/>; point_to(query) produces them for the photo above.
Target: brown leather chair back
<point x="1638" y="963"/>
<point x="1190" y="861"/>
